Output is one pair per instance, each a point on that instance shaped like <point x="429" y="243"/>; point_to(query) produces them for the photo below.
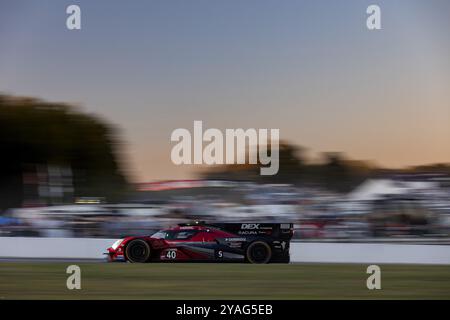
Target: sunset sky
<point x="309" y="68"/>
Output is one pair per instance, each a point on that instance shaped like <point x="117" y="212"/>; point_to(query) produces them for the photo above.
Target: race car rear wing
<point x="282" y="231"/>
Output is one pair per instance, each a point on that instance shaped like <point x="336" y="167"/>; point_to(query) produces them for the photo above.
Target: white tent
<point x="374" y="189"/>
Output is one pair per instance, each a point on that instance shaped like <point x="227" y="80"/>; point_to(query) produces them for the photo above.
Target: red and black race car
<point x="200" y="242"/>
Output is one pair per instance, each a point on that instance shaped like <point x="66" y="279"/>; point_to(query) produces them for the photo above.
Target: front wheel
<point x="137" y="251"/>
<point x="259" y="252"/>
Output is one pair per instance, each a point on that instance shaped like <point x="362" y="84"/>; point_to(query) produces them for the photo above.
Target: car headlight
<point x="116" y="244"/>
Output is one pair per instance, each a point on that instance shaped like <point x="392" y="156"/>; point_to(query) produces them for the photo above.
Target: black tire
<point x="259" y="252"/>
<point x="137" y="251"/>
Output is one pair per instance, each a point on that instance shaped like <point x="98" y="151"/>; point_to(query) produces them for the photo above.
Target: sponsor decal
<point x="235" y="239"/>
<point x="247" y="232"/>
<point x="250" y="226"/>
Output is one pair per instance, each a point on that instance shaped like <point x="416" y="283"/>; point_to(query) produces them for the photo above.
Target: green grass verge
<point x="221" y="281"/>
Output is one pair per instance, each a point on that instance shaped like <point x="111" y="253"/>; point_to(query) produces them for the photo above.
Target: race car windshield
<point x="174" y="234"/>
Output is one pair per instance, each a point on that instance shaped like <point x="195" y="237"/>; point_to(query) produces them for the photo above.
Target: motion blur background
<point x="86" y="116"/>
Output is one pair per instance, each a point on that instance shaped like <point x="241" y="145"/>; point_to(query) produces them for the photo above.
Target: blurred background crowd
<point x="377" y="209"/>
<point x="61" y="176"/>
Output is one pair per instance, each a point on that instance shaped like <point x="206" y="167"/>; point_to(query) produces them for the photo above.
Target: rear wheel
<point x="137" y="251"/>
<point x="259" y="252"/>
